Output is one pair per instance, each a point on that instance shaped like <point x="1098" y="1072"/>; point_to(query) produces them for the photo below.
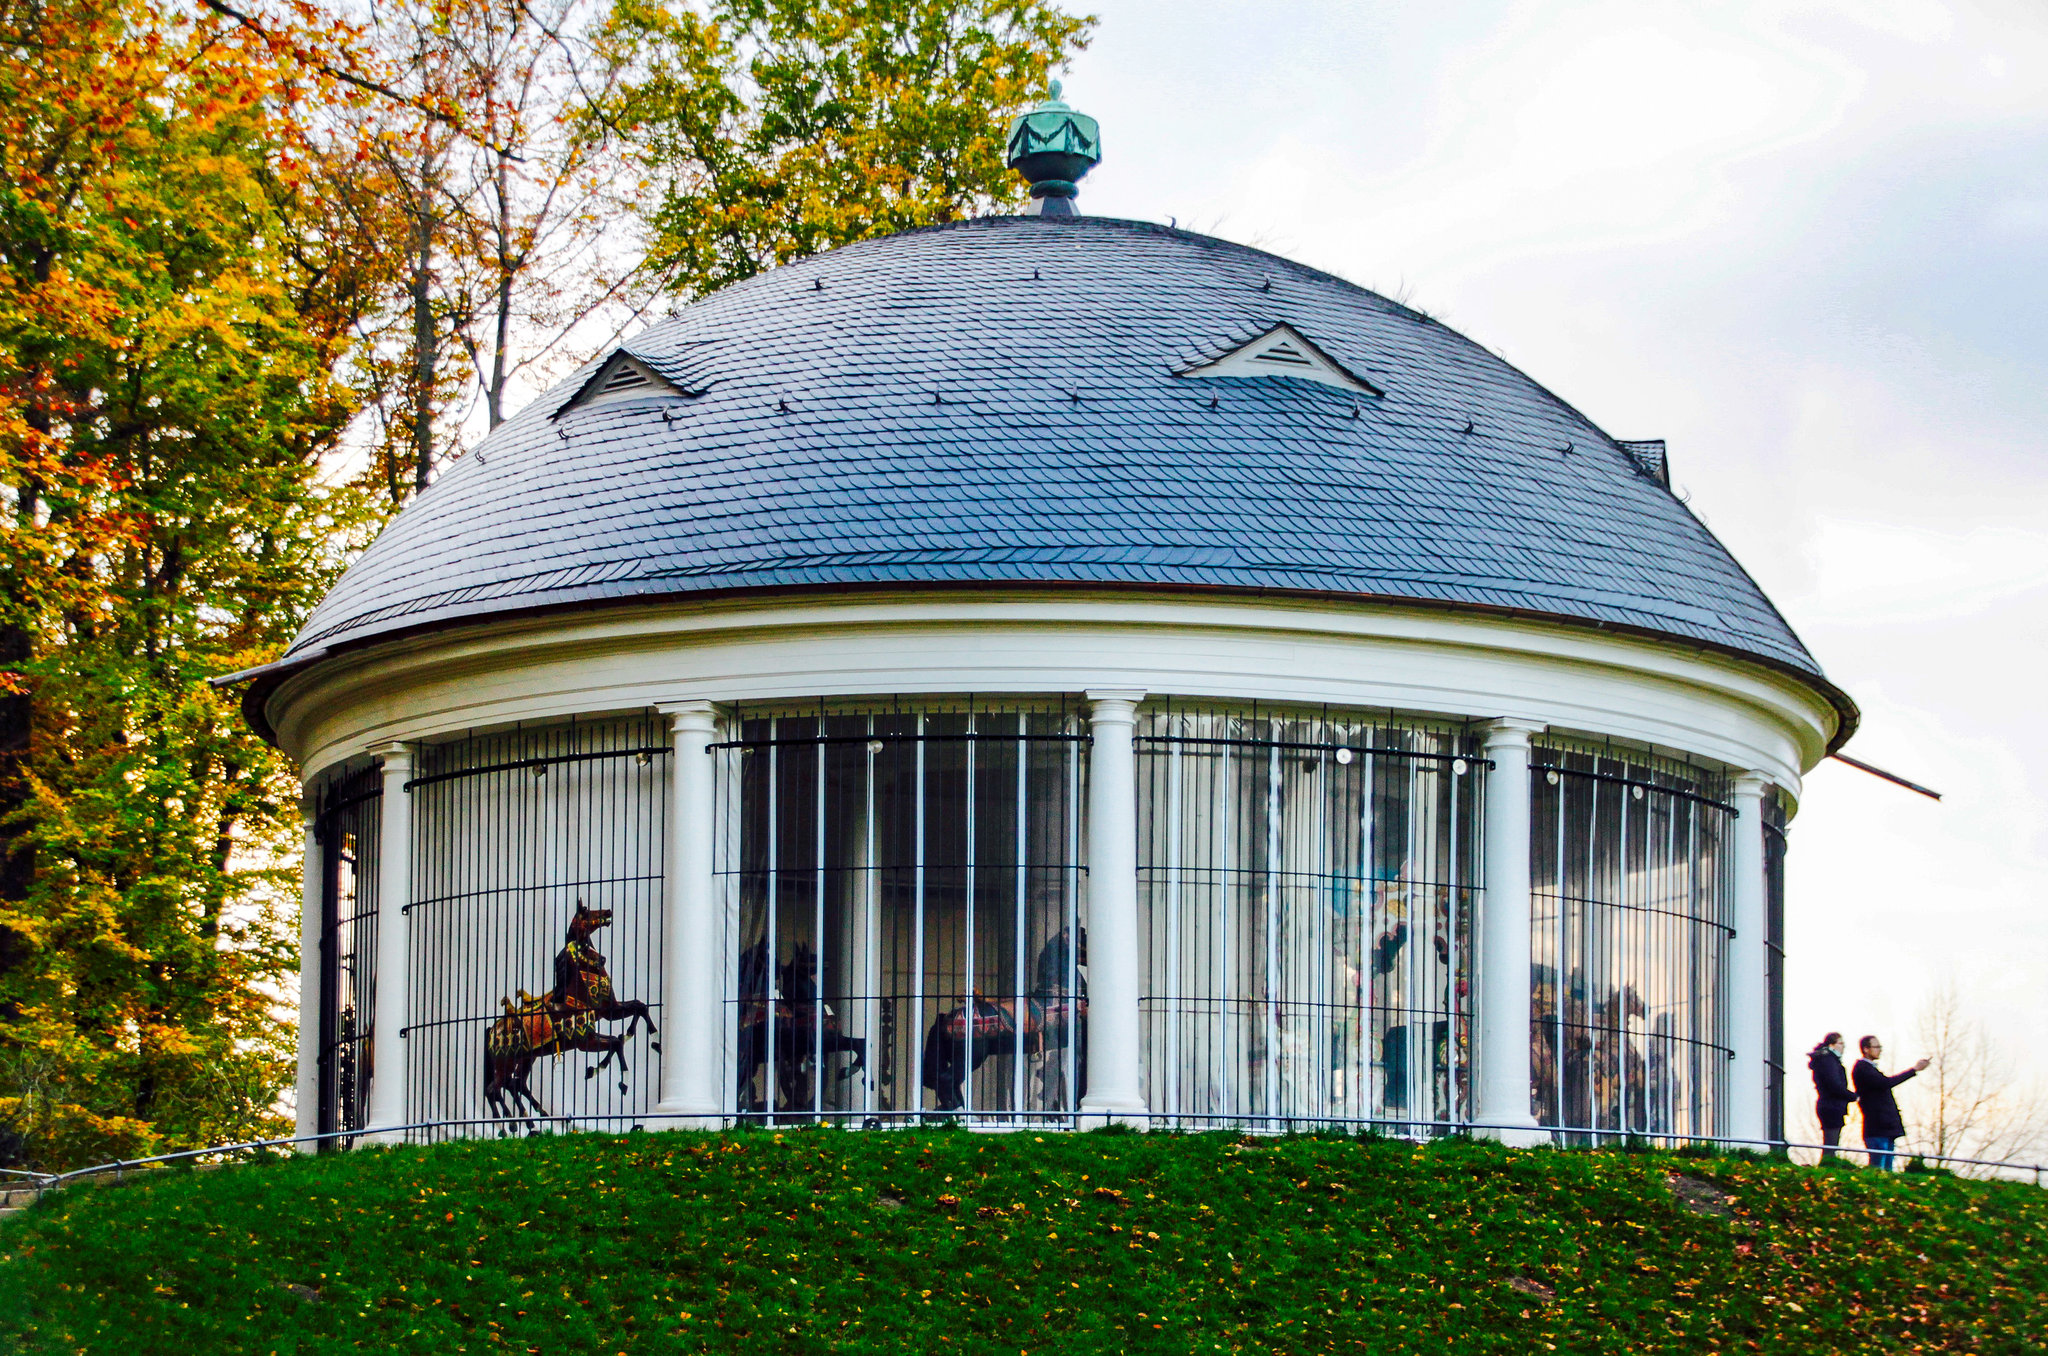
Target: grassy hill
<point x="938" y="1241"/>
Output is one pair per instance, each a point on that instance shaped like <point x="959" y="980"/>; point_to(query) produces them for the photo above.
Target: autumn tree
<point x="556" y="166"/>
<point x="499" y="205"/>
<point x="777" y="129"/>
<point x="239" y="242"/>
<point x="170" y="317"/>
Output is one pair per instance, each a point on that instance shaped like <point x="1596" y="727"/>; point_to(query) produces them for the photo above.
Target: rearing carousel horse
<point x="1046" y="1020"/>
<point x="563" y="1019"/>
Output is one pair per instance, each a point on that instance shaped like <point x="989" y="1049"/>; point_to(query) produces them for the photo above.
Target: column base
<point x="683" y="1116"/>
<point x="1530" y="1136"/>
<point x="1095" y="1115"/>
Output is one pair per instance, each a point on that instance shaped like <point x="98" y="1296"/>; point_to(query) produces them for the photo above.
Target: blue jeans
<point x="1880" y="1151"/>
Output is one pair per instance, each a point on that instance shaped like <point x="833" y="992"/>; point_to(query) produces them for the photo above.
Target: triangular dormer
<point x="621" y="377"/>
<point x="1283" y="351"/>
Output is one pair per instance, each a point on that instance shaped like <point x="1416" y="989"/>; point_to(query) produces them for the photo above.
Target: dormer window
<point x="621" y="377"/>
<point x="1283" y="351"/>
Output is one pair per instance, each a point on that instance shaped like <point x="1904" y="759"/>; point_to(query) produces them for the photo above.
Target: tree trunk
<point x="501" y="338"/>
<point x="426" y="356"/>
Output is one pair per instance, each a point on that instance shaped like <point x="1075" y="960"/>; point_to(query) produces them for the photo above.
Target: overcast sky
<point x="1805" y="243"/>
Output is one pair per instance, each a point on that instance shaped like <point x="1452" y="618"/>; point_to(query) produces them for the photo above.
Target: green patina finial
<point x="1052" y="146"/>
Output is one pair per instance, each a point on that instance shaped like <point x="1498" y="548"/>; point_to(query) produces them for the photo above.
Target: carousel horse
<point x="962" y="1040"/>
<point x="798" y="1015"/>
<point x="565" y="1018"/>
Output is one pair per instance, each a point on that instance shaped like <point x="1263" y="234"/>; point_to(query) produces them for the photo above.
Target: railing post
<point x="1745" y="989"/>
<point x="1504" y="958"/>
<point x="312" y="903"/>
<point x="393" y="1009"/>
<point x="692" y="1035"/>
<point x="1116" y="1088"/>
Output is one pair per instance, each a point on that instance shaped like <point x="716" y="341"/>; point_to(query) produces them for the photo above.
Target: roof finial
<point x="1052" y="146"/>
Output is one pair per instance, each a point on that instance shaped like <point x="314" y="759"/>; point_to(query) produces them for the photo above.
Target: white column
<point x="1745" y="993"/>
<point x="311" y="905"/>
<point x="393" y="1009"/>
<point x="1115" y="1068"/>
<point x="1503" y="1054"/>
<point x="692" y="1035"/>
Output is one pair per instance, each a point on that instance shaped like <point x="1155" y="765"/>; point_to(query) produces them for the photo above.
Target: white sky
<point x="1805" y="243"/>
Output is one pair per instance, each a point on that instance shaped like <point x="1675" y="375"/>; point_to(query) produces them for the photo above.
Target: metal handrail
<point x="1078" y="1120"/>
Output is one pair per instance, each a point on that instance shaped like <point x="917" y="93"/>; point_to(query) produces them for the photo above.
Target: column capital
<point x="394" y="754"/>
<point x="1751" y="784"/>
<point x="1511" y="730"/>
<point x="700" y="716"/>
<point x="1104" y="701"/>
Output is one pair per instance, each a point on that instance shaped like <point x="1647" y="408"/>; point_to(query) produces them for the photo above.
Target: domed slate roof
<point x="997" y="401"/>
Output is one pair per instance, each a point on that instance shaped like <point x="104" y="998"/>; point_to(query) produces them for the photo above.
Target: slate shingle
<point x="861" y="478"/>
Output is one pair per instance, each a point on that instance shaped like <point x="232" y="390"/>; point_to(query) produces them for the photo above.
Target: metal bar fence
<point x="906" y="906"/>
<point x="1308" y="882"/>
<point x="1306" y="888"/>
<point x="535" y="921"/>
<point x="347" y="821"/>
<point x="1775" y="1092"/>
<point x="1630" y="863"/>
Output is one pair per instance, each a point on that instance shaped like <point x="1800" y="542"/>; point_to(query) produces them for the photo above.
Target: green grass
<point x="944" y="1241"/>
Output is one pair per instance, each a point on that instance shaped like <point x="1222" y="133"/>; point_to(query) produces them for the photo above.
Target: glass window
<point x="1306" y="888"/>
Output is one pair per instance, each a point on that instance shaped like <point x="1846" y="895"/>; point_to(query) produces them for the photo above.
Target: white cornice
<point x="1370" y="655"/>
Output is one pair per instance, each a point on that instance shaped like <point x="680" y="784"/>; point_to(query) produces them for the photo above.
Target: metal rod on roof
<point x="1892" y="777"/>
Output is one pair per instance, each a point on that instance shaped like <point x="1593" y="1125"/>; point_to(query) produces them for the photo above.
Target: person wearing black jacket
<point x="1831" y="1086"/>
<point x="1882" y="1128"/>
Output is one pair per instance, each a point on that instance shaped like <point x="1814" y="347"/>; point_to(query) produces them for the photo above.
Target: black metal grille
<point x="1307" y="884"/>
<point x="512" y="834"/>
<point x="1775" y="818"/>
<point x="1629" y="867"/>
<point x="909" y="911"/>
<point x="347" y="821"/>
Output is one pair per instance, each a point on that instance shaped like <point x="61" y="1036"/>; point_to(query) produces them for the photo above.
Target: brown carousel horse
<point x="805" y="1029"/>
<point x="563" y="1019"/>
<point x="1046" y="1020"/>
